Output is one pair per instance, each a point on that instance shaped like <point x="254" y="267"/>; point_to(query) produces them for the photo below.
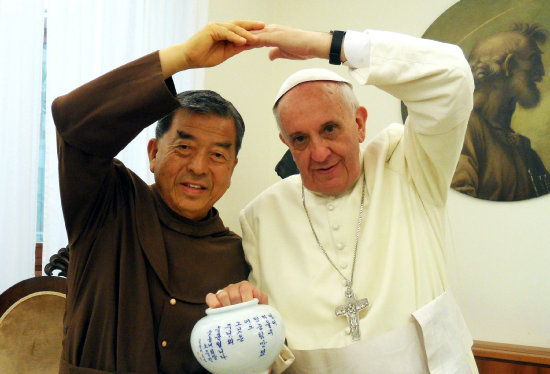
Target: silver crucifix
<point x="351" y="310"/>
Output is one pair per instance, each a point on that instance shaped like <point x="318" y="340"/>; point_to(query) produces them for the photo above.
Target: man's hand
<point x="212" y="45"/>
<point x="294" y="44"/>
<point x="235" y="294"/>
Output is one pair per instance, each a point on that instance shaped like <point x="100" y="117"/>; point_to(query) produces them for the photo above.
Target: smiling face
<point x="323" y="133"/>
<point x="193" y="162"/>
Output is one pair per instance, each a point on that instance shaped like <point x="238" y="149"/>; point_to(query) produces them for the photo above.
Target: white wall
<point x="502" y="252"/>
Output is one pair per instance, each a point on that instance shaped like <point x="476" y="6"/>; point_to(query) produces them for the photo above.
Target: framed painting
<point x="506" y="153"/>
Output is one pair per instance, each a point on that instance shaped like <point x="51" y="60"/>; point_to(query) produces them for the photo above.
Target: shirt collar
<point x="210" y="225"/>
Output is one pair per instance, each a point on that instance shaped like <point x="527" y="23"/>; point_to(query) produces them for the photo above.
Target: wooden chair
<point x="31" y="322"/>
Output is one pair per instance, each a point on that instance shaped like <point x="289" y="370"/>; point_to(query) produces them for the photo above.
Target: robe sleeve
<point x="434" y="81"/>
<point x="94" y="122"/>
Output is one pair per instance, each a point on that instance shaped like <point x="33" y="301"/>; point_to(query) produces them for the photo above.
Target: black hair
<point x="206" y="102"/>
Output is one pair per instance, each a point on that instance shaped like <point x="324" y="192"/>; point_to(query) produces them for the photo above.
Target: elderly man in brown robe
<point x="142" y="257"/>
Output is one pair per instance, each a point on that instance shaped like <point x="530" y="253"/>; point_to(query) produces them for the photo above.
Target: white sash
<point x="447" y="340"/>
<point x="438" y="342"/>
<point x="396" y="352"/>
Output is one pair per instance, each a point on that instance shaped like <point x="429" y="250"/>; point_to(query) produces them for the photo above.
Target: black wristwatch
<point x="336" y="47"/>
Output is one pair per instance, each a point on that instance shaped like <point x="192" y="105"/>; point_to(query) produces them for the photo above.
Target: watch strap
<point x="336" y="47"/>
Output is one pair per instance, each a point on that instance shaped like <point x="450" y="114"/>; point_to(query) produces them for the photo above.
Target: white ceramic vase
<point x="242" y="338"/>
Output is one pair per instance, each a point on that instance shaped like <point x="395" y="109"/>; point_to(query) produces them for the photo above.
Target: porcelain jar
<point x="240" y="338"/>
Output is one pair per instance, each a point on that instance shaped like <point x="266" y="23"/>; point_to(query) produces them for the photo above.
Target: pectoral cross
<point x="351" y="310"/>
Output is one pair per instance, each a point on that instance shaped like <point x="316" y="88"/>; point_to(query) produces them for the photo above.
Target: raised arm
<point x="115" y="97"/>
<point x="433" y="79"/>
<point x="97" y="120"/>
<point x="295" y="44"/>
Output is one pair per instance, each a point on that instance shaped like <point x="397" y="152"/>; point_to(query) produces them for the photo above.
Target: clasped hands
<point x="217" y="42"/>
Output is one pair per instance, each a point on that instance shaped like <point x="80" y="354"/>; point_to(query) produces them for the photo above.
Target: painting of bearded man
<point x="498" y="163"/>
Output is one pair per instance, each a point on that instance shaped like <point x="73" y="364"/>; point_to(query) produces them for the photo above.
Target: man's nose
<point x="319" y="150"/>
<point x="198" y="164"/>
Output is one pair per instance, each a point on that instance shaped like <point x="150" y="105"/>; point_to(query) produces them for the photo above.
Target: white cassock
<point x="413" y="325"/>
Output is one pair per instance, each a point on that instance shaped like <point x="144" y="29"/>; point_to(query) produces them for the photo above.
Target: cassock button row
<point x="348" y="331"/>
<point x="340" y="245"/>
<point x="343" y="266"/>
<point x="164" y="343"/>
<point x="330" y="207"/>
<point x="172" y="301"/>
<point x="335" y="226"/>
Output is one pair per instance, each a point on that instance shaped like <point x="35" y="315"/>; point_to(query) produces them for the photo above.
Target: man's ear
<point x="283" y="139"/>
<point x="361" y="115"/>
<point x="152" y="149"/>
<point x="509" y="64"/>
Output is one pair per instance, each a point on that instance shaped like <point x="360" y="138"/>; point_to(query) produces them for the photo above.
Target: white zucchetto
<point x="308" y="75"/>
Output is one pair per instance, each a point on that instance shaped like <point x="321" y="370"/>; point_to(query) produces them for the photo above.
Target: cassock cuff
<point x="357" y="49"/>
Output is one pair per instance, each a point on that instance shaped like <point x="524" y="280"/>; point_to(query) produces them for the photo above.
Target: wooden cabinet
<point x="498" y="358"/>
